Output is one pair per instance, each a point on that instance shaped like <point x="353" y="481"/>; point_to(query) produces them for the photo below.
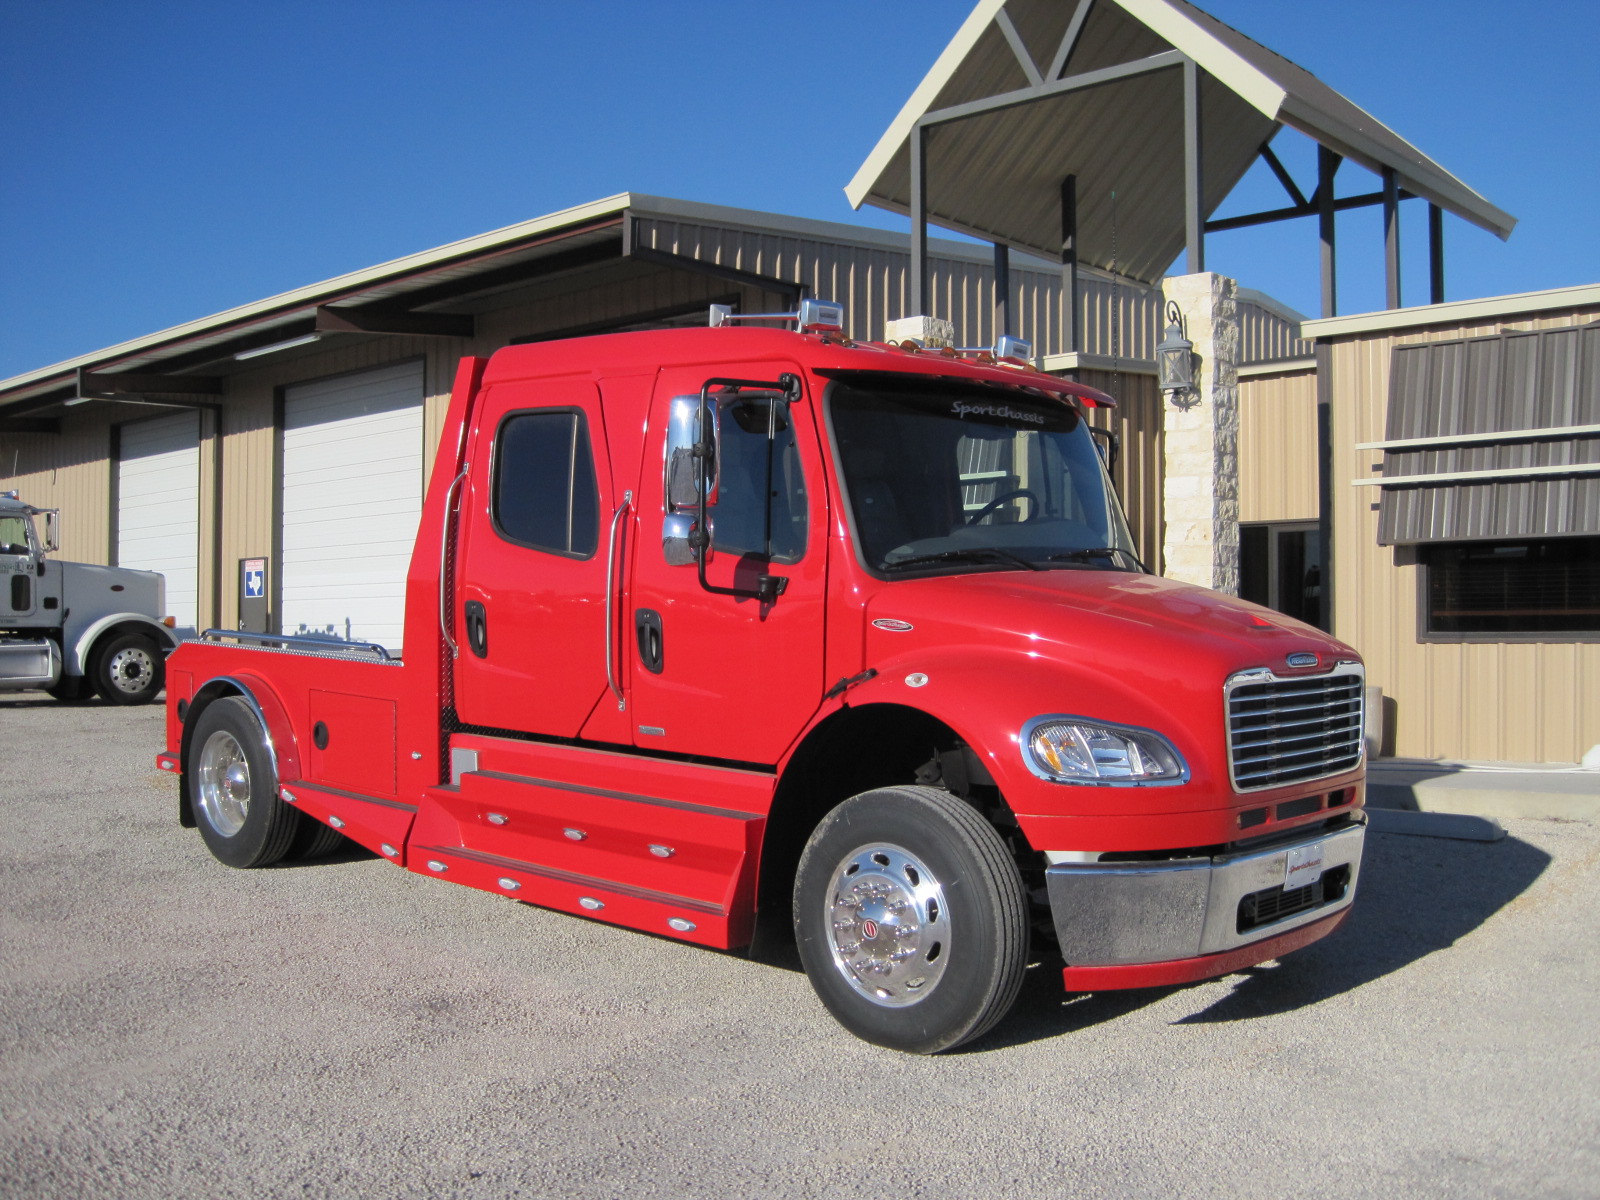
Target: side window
<point x="761" y="507"/>
<point x="544" y="485"/>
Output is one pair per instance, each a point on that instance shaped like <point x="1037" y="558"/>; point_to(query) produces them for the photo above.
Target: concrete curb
<point x="1485" y="790"/>
<point x="1435" y="824"/>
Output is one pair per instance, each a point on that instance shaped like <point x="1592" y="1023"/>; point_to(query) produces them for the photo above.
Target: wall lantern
<point x="1175" y="357"/>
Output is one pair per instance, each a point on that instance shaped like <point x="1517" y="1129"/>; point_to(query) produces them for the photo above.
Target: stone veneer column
<point x="1200" y="487"/>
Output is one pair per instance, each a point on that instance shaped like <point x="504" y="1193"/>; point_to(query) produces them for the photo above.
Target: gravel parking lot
<point x="171" y="1027"/>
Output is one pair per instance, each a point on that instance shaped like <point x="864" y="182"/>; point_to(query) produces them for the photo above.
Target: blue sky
<point x="163" y="161"/>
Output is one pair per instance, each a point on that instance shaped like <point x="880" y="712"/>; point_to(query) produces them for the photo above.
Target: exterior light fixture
<point x="1175" y="357"/>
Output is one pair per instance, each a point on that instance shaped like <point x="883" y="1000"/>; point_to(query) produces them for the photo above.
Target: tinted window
<point x="544" y="483"/>
<point x="1547" y="587"/>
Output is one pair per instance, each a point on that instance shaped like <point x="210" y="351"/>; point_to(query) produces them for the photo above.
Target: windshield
<point x="947" y="477"/>
<point x="13" y="535"/>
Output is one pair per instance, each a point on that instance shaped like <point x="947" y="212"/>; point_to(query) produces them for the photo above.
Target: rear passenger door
<point x="530" y="611"/>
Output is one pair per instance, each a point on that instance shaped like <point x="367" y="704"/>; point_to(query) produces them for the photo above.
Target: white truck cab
<point x="70" y="628"/>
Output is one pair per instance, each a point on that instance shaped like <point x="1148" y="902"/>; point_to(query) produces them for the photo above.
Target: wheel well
<point x="105" y="636"/>
<point x="853" y="751"/>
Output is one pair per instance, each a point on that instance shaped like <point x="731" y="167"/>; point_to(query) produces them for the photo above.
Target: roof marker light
<point x="813" y="316"/>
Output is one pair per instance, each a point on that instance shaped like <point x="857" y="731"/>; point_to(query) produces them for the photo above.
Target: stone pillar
<point x="1200" y="489"/>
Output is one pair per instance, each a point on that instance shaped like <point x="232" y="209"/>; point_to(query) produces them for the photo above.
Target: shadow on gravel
<point x="1416" y="896"/>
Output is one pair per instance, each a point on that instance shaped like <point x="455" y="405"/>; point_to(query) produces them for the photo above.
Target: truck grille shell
<point x="1290" y="730"/>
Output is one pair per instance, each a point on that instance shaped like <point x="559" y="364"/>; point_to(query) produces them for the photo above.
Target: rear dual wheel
<point x="911" y="919"/>
<point x="233" y="793"/>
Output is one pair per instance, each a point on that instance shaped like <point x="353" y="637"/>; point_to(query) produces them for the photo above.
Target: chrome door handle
<point x="444" y="553"/>
<point x="611" y="631"/>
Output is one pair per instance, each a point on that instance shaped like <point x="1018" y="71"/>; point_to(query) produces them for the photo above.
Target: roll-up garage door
<point x="158" y="506"/>
<point x="352" y="493"/>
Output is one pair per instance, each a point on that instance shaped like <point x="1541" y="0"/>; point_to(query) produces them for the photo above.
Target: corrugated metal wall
<point x="1137" y="422"/>
<point x="70" y="471"/>
<point x="1515" y="702"/>
<point x="1278" y="447"/>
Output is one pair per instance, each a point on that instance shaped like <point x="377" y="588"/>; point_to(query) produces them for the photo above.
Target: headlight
<point x="1078" y="750"/>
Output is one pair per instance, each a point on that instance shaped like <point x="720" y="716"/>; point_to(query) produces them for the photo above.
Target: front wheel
<point x="911" y="919"/>
<point x="128" y="669"/>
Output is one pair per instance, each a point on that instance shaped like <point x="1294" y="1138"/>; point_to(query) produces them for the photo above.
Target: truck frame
<point x="748" y="637"/>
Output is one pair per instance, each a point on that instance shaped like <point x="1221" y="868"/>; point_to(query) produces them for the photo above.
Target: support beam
<point x="920" y="291"/>
<point x="1327" y="167"/>
<point x="1069" y="264"/>
<point x="1002" y="289"/>
<point x="1324" y="352"/>
<point x="1069" y="40"/>
<point x="1391" y="238"/>
<point x="394" y="321"/>
<point x="105" y="385"/>
<point x="1310" y="209"/>
<point x="1072" y="83"/>
<point x="1018" y="48"/>
<point x="1282" y="172"/>
<point x="1193" y="168"/>
<point x="1435" y="254"/>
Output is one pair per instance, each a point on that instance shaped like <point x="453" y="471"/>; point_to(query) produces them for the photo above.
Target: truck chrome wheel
<point x="892" y="885"/>
<point x="128" y="669"/>
<point x="223" y="783"/>
<point x="131" y="669"/>
<point x="230" y="781"/>
<point x="889" y="925"/>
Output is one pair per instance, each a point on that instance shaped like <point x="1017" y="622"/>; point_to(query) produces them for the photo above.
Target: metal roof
<point x="997" y="174"/>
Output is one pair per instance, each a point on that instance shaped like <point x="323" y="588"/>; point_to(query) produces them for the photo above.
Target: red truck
<point x="740" y="634"/>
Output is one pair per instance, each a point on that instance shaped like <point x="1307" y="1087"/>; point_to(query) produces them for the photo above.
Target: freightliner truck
<point x="738" y="635"/>
<point x="71" y="628"/>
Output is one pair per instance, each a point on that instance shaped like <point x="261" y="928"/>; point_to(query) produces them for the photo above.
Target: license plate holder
<point x="1303" y="866"/>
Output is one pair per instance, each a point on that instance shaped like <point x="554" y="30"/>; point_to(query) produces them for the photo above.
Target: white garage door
<point x="158" y="506"/>
<point x="352" y="493"/>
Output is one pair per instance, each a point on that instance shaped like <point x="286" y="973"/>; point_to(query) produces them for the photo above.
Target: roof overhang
<point x="1094" y="89"/>
<point x="433" y="293"/>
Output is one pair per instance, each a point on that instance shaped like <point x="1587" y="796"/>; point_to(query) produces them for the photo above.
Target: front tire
<point x="233" y="788"/>
<point x="911" y="919"/>
<point x="128" y="669"/>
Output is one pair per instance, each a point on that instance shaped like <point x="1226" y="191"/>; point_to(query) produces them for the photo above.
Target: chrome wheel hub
<point x="223" y="783"/>
<point x="131" y="669"/>
<point x="888" y="925"/>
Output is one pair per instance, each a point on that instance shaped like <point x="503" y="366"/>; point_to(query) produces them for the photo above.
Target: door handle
<point x="477" y="628"/>
<point x="647" y="624"/>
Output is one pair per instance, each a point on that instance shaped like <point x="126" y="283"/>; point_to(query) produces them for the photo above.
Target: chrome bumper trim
<point x="1115" y="914"/>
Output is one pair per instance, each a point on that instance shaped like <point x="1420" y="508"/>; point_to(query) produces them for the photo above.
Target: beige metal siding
<point x="1264" y="336"/>
<point x="1515" y="702"/>
<point x="1278" y="447"/>
<point x="1137" y="421"/>
<point x="70" y="471"/>
<point x="872" y="284"/>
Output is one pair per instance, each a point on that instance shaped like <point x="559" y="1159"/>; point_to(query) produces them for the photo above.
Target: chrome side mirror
<point x="52" y="534"/>
<point x="692" y="464"/>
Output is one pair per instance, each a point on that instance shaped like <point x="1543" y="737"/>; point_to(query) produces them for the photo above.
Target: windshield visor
<point x="943" y="477"/>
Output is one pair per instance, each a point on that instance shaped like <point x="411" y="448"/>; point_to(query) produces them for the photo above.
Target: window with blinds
<point x="1542" y="589"/>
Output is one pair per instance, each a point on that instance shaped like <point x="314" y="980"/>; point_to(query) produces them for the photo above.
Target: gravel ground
<point x="172" y="1028"/>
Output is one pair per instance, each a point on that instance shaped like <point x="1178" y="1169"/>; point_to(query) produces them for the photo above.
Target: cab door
<point x="732" y="676"/>
<point x="530" y="606"/>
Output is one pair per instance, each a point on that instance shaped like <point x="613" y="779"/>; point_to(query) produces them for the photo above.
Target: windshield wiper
<point x="1086" y="554"/>
<point x="969" y="554"/>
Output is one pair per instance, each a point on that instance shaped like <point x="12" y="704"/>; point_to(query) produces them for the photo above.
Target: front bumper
<point x="1117" y="915"/>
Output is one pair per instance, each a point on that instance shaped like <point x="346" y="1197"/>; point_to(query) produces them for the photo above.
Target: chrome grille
<point x="1289" y="730"/>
